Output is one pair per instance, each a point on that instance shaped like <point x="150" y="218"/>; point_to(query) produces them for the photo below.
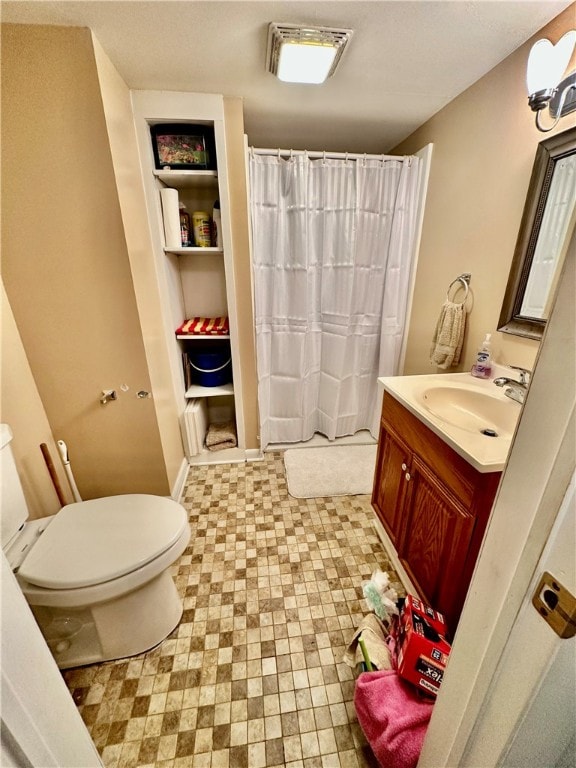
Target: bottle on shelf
<point x="185" y="228"/>
<point x="202" y="229"/>
<point x="216" y="225"/>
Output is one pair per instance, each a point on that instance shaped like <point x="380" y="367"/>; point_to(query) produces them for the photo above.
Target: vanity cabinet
<point x="433" y="505"/>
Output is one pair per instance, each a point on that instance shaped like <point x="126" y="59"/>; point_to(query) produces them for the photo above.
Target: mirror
<point x="547" y="221"/>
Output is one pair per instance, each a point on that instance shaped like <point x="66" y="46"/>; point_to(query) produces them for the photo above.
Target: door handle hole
<point x="550" y="598"/>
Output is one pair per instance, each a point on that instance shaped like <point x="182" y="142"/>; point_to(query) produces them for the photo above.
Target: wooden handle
<point x="53" y="475"/>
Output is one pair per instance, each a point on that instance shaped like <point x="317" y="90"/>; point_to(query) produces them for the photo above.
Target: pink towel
<point x="393" y="716"/>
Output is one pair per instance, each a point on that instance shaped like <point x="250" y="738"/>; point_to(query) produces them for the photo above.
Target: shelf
<point x="197" y="391"/>
<point x="184" y="179"/>
<point x="225" y="456"/>
<point x="194" y="250"/>
<point x="200" y="337"/>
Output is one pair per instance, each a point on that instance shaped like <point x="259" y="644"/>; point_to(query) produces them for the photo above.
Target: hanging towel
<point x="220" y="436"/>
<point x="393" y="716"/>
<point x="449" y="335"/>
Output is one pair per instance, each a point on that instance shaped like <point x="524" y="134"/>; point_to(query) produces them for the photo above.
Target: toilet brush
<point x="66" y="462"/>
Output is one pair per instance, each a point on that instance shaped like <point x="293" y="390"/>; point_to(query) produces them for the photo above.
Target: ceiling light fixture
<point x="298" y="54"/>
<point x="546" y="67"/>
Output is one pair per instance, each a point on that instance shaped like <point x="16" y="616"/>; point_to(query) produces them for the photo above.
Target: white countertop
<point x="486" y="454"/>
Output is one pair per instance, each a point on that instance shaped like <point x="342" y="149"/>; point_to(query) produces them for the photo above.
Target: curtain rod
<point x="325" y="155"/>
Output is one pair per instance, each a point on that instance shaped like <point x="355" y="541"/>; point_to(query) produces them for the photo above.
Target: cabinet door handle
<point x="404" y="467"/>
<point x="407" y="475"/>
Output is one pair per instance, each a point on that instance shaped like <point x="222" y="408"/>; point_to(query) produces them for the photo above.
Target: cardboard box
<point x="421" y="647"/>
<point x="182" y="146"/>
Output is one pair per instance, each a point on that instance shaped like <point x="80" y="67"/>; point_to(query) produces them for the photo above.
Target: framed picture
<point x="183" y="146"/>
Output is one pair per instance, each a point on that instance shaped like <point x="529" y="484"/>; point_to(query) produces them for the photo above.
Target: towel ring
<point x="463" y="283"/>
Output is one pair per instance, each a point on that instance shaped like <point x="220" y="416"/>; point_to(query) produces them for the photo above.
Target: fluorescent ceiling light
<point x="305" y="63"/>
<point x="305" y="54"/>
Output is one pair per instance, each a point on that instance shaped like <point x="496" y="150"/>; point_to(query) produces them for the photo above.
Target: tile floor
<point x="253" y="675"/>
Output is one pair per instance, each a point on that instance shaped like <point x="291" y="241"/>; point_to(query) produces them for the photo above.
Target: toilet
<point x="97" y="574"/>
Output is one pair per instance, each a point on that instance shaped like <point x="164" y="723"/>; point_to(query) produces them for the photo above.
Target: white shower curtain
<point x="332" y="248"/>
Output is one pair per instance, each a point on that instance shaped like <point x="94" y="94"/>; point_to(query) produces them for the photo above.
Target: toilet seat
<point x="96" y="541"/>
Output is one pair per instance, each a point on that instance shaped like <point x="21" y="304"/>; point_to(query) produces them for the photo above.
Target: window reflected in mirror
<point x="547" y="223"/>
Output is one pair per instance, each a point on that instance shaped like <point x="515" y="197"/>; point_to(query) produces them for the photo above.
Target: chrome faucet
<point x="515" y="389"/>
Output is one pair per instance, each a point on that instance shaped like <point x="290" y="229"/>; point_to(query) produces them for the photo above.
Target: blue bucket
<point x="211" y="368"/>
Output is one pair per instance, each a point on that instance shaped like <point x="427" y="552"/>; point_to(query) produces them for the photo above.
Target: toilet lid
<point x="95" y="541"/>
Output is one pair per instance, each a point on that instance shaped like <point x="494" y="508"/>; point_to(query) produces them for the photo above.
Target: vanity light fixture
<point x="546" y="88"/>
<point x="298" y="54"/>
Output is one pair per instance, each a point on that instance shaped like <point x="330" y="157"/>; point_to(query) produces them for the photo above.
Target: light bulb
<point x="547" y="63"/>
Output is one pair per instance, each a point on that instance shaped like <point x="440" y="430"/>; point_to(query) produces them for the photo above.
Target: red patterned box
<point x="421" y="647"/>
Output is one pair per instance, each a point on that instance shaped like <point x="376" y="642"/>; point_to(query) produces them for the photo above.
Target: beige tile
<point x="272" y="727"/>
<point x="221" y="759"/>
<point x="222" y="713"/>
<point x="287" y="701"/>
<point x="167" y="747"/>
<point x="135" y="729"/>
<point x="292" y="748"/>
<point x="310" y="745"/>
<point x="256" y="731"/>
<point x="201" y="760"/>
<point x="270" y="591"/>
<point x="129" y="755"/>
<point x="301" y="678"/>
<point x="269" y="666"/>
<point x="327" y="741"/>
<point x="239" y="710"/>
<point x="306" y="720"/>
<point x="239" y="733"/>
<point x="256" y="755"/>
<point x="157" y="703"/>
<point x="271" y="704"/>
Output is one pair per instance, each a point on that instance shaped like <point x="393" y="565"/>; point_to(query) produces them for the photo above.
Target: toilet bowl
<point x="97" y="574"/>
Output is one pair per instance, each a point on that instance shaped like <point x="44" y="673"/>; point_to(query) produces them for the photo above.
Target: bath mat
<point x="343" y="470"/>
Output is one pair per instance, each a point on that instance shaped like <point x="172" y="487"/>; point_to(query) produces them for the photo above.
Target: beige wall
<point x="21" y="408"/>
<point x="235" y="151"/>
<point x="123" y="145"/>
<point x="484" y="146"/>
<point x="65" y="265"/>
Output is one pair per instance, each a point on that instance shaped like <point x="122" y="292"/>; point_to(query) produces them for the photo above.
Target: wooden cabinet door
<point x="389" y="481"/>
<point x="436" y="536"/>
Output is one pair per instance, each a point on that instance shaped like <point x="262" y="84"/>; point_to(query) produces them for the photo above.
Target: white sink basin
<point x="471" y="415"/>
<point x="471" y="410"/>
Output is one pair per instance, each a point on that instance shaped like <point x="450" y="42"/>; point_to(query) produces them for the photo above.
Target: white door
<point x="483" y="711"/>
<point x="542" y="720"/>
<point x="40" y="723"/>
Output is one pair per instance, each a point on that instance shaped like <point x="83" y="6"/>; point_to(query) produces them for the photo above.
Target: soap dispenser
<point x="482" y="368"/>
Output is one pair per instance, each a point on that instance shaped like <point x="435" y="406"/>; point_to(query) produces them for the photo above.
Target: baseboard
<point x="393" y="557"/>
<point x="226" y="456"/>
<point x="362" y="437"/>
<point x="179" y="485"/>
